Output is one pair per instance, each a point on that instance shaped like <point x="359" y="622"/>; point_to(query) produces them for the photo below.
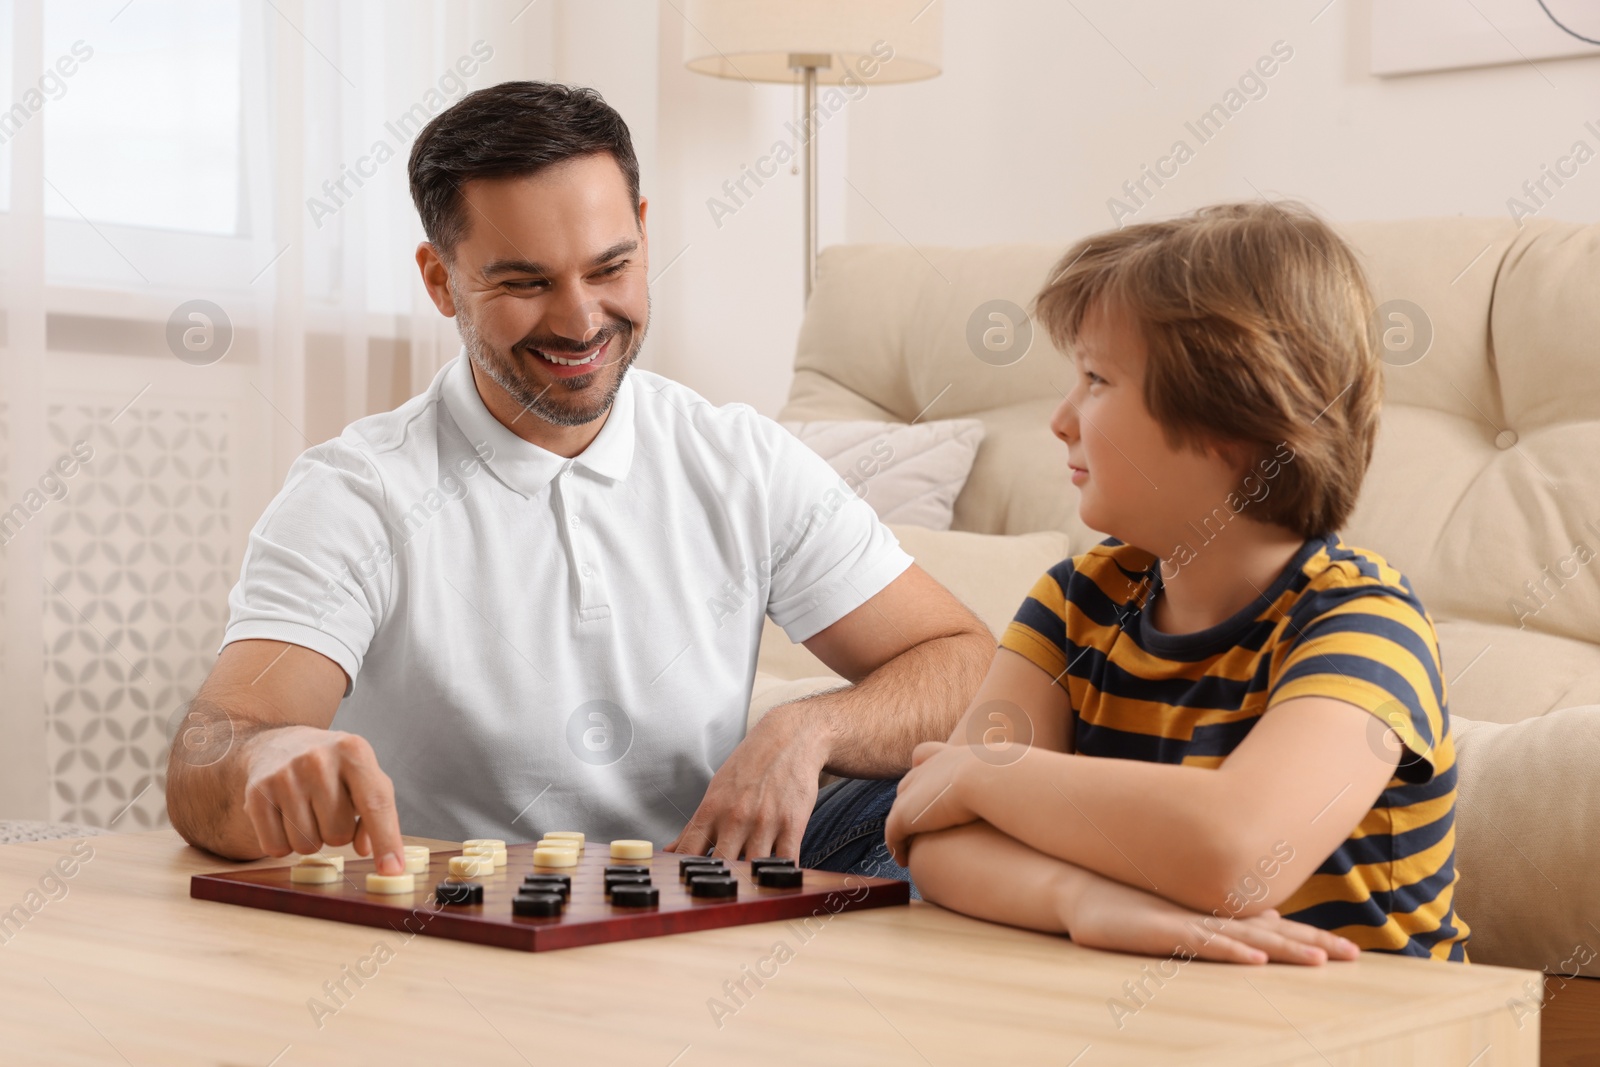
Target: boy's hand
<point x="1109" y="915"/>
<point x="929" y="797"/>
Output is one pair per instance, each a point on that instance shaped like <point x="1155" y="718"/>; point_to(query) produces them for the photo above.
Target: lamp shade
<point x="753" y="39"/>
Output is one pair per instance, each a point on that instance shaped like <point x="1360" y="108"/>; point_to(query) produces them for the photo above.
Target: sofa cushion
<point x="1487" y="668"/>
<point x="1525" y="840"/>
<point x="910" y="473"/>
<point x="990" y="573"/>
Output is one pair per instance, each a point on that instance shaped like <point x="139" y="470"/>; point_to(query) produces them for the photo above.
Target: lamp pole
<point x="808" y="63"/>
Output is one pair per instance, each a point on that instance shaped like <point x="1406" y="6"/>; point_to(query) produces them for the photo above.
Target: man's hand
<point x="930" y="796"/>
<point x="759" y="801"/>
<point x="1109" y="915"/>
<point x="307" y="787"/>
<point x="259" y="772"/>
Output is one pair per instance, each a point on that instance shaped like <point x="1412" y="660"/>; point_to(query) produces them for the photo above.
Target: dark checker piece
<point x="628" y="868"/>
<point x="775" y="877"/>
<point x="458" y="893"/>
<point x="536" y="904"/>
<point x="535" y="884"/>
<point x="691" y="861"/>
<point x="635" y="895"/>
<point x="711" y="885"/>
<point x="560" y="879"/>
<point x="615" y="880"/>
<point x="696" y="870"/>
<point x="770" y="861"/>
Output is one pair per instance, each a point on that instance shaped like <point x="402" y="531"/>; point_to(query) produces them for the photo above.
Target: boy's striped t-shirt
<point x="1339" y="622"/>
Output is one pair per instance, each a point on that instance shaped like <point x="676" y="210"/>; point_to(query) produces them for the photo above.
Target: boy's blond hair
<point x="1259" y="326"/>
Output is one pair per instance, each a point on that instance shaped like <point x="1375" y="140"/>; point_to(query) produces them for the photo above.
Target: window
<point x="140" y="106"/>
<point x="165" y="155"/>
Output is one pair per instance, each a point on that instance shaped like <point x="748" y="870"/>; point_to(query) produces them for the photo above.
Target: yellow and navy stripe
<point x="1339" y="622"/>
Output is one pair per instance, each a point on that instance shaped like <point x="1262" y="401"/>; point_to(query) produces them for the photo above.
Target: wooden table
<point x="126" y="969"/>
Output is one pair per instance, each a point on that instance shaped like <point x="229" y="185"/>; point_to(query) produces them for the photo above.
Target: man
<point x="533" y="595"/>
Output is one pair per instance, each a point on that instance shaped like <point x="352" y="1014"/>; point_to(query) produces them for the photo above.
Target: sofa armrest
<point x="1527" y="799"/>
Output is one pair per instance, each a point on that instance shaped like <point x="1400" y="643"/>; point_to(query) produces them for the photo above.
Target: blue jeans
<point x="845" y="831"/>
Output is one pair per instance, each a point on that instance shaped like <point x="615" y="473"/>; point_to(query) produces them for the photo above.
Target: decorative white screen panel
<point x="143" y="541"/>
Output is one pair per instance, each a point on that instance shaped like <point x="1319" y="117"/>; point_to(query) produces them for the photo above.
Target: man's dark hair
<point x="511" y="129"/>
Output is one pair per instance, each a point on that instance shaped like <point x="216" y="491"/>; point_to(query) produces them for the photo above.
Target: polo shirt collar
<point x="522" y="465"/>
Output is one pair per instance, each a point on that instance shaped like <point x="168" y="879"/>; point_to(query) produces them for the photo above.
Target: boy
<point x="1221" y="732"/>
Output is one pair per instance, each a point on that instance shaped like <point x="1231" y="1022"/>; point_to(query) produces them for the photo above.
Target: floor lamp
<point x="817" y="42"/>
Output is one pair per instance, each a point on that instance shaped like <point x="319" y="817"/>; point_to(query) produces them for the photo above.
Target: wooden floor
<point x="1569" y="1034"/>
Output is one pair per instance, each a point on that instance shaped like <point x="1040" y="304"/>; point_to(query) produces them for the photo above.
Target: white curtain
<point x="180" y="177"/>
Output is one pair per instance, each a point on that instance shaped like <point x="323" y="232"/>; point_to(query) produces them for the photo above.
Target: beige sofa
<point x="1485" y="482"/>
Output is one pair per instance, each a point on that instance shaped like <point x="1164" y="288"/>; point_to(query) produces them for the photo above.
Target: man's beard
<point x="561" y="402"/>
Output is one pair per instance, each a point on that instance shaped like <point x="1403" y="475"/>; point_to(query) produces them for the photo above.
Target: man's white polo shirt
<point x="535" y="643"/>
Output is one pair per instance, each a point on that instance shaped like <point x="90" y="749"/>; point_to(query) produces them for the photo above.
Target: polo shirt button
<point x="566" y="472"/>
<point x="1505" y="439"/>
<point x="574" y="522"/>
<point x="588" y="571"/>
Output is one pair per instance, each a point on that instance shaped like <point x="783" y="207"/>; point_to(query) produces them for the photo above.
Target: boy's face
<point x="1132" y="484"/>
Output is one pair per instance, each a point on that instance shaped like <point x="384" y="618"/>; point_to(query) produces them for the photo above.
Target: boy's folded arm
<point x="979" y="871"/>
<point x="1323" y="763"/>
<point x="1297" y="784"/>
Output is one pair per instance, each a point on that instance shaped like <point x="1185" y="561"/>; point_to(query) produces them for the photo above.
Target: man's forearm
<point x="205" y="780"/>
<point x="917" y="696"/>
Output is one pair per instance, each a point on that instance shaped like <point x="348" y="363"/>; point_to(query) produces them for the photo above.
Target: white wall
<point x="726" y="313"/>
<point x="1041" y="114"/>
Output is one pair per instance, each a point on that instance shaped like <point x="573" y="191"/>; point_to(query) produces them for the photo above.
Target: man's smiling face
<point x="548" y="286"/>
